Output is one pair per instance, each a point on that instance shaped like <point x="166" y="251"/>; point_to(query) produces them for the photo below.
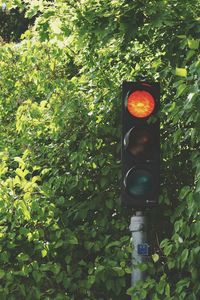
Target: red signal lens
<point x="140" y="104"/>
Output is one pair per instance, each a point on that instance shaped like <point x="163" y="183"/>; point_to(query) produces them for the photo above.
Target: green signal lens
<point x="139" y="183"/>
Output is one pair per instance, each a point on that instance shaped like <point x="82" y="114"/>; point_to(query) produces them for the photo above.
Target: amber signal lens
<point x="139" y="143"/>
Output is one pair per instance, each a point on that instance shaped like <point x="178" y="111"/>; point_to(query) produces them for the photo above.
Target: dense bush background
<point x="63" y="233"/>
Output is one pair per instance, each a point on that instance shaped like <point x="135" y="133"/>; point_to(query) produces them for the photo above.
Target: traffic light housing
<point x="140" y="144"/>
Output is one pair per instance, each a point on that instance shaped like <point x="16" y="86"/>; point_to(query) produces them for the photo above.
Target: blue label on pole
<point x="143" y="249"/>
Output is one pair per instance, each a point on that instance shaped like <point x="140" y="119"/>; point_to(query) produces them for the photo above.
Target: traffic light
<point x="140" y="144"/>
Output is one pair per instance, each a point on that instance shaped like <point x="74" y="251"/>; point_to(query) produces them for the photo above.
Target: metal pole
<point x="140" y="246"/>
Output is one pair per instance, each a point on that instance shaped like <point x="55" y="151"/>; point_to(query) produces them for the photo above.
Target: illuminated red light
<point x="140" y="104"/>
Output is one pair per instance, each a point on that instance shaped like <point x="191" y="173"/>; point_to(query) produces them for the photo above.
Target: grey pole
<point x="140" y="246"/>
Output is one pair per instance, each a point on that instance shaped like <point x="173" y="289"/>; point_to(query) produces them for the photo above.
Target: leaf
<point x="119" y="271"/>
<point x="72" y="240"/>
<point x="36" y="178"/>
<point x="181" y="88"/>
<point x="17" y="180"/>
<point x="45" y="171"/>
<point x="66" y="281"/>
<point x="22" y="289"/>
<point x="167" y="290"/>
<point x="22" y="257"/>
<point x="59" y="244"/>
<point x="113" y="244"/>
<point x="44" y="252"/>
<point x="155" y="257"/>
<point x="181" y="72"/>
<point x="91" y="280"/>
<point x="180" y="239"/>
<point x="172" y="107"/>
<point x="2" y="273"/>
<point x="103" y="181"/>
<point x="56" y="26"/>
<point x="27" y="196"/>
<point x="168" y="249"/>
<point x="198" y="187"/>
<point x="25" y="210"/>
<point x="88" y="245"/>
<point x="193" y="44"/>
<point x="191" y="96"/>
<point x="20" y="161"/>
<point x="109" y="203"/>
<point x="37" y="276"/>
<point x="19" y="172"/>
<point x="184" y="256"/>
<point x="55" y="268"/>
<point x="184" y="192"/>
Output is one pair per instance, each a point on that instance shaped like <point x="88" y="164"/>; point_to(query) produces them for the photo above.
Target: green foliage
<point x="63" y="232"/>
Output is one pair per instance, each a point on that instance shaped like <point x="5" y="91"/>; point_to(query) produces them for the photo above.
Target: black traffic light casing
<point x="140" y="145"/>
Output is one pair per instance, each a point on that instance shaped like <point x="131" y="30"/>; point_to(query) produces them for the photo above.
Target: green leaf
<point x="119" y="271"/>
<point x="55" y="268"/>
<point x="113" y="244"/>
<point x="25" y="210"/>
<point x="37" y="276"/>
<point x="2" y="273"/>
<point x="155" y="257"/>
<point x="181" y="88"/>
<point x="22" y="289"/>
<point x="23" y="257"/>
<point x="103" y="182"/>
<point x="36" y="178"/>
<point x="172" y="107"/>
<point x="181" y="72"/>
<point x="17" y="180"/>
<point x="20" y="161"/>
<point x="59" y="244"/>
<point x="168" y="249"/>
<point x="167" y="290"/>
<point x="193" y="44"/>
<point x="19" y="172"/>
<point x="72" y="240"/>
<point x="44" y="252"/>
<point x="91" y="280"/>
<point x="184" y="256"/>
